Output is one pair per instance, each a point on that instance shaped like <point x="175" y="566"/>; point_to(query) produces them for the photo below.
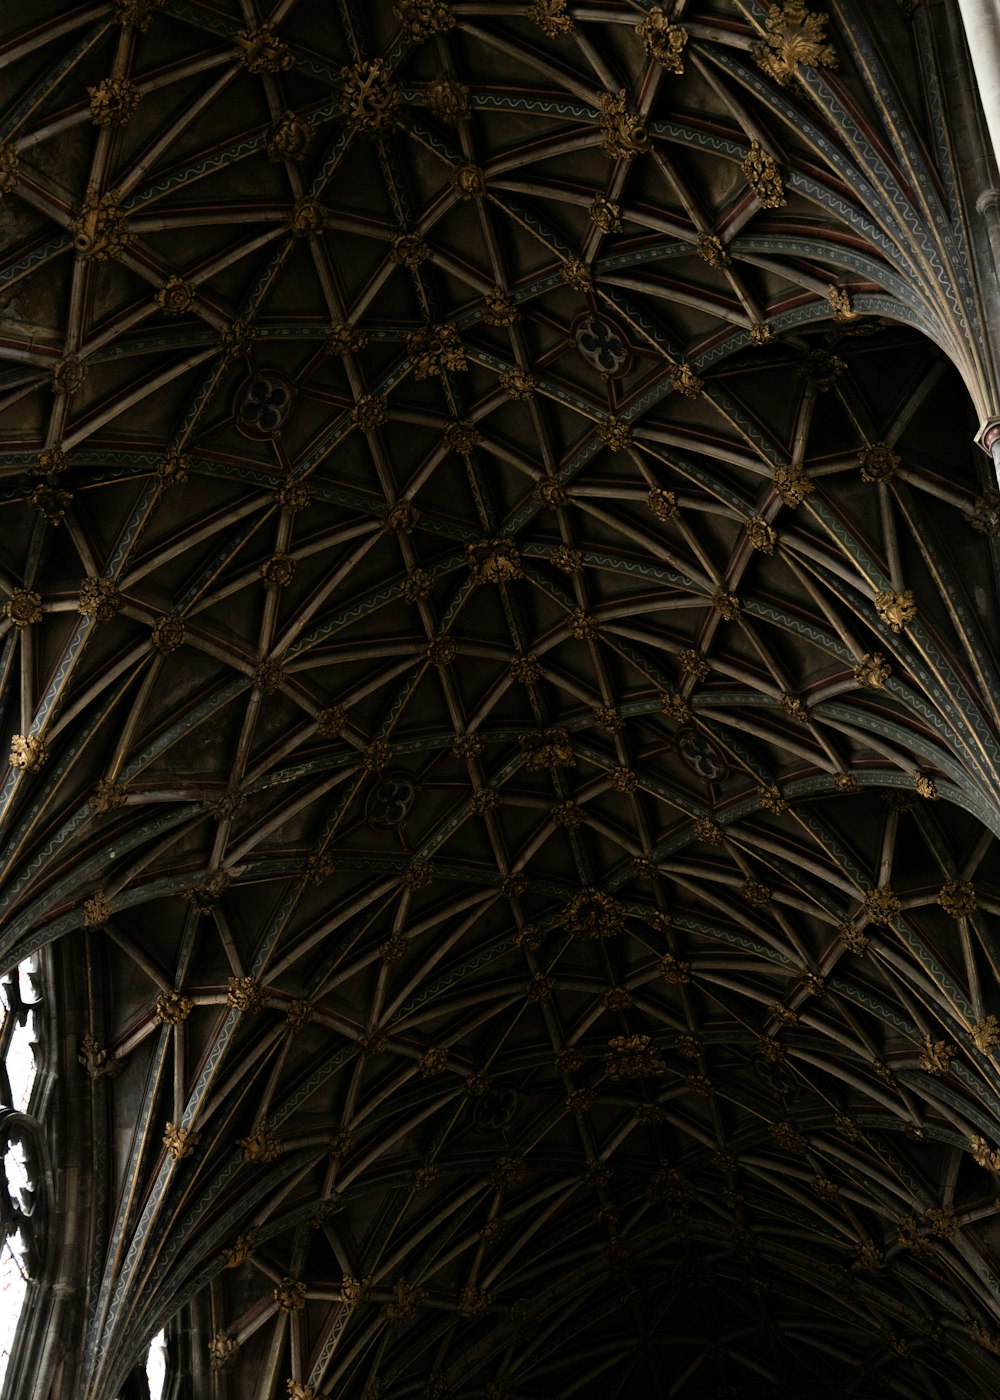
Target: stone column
<point x="981" y="19"/>
<point x="988" y="438"/>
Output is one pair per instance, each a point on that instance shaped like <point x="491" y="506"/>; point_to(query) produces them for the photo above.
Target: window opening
<point x="156" y="1365"/>
<point x="20" y="1154"/>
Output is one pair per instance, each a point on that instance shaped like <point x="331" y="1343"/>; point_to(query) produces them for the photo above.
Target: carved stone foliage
<point x="796" y="37"/>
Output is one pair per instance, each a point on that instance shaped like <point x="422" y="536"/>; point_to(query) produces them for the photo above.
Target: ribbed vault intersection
<point x="499" y="673"/>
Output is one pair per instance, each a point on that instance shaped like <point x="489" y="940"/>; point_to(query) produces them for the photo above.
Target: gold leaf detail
<point x="662" y="40"/>
<point x="795" y="36"/>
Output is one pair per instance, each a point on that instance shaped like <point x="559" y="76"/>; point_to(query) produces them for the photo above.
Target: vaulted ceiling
<point x="499" y="672"/>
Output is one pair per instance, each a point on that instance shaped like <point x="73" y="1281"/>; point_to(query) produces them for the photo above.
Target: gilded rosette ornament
<point x="539" y="989"/>
<point x="882" y="906"/>
<point x="261" y="1145"/>
<point x="936" y="1055"/>
<point x="246" y="995"/>
<point x="269" y="677"/>
<point x="593" y="914"/>
<point x="823" y="369"/>
<point x="615" y="433"/>
<point x="10" y="167"/>
<point x="727" y="605"/>
<point x="222" y="1351"/>
<point x="447" y="100"/>
<point x="796" y="37"/>
<point x="896" y="608"/>
<point x="113" y="101"/>
<point x="23" y="607"/>
<point x="840" y="303"/>
<point x="173" y="1008"/>
<point x="370" y="412"/>
<point x="240" y="1250"/>
<point x="582" y="625"/>
<point x="622" y="780"/>
<point x="294" y="496"/>
<point x="984" y="517"/>
<point x="307" y="219"/>
<point x="96" y="910"/>
<point x="517" y="385"/>
<point x="418" y="874"/>
<point x="180" y="1141"/>
<point x="28" y="751"/>
<point x="344" y="339"/>
<point x="760" y="170"/>
<point x="712" y="250"/>
<point x="985" y="1034"/>
<point x="770" y="797"/>
<point x="795" y="708"/>
<point x="51" y="462"/>
<point x="684" y="381"/>
<point x="474" y="1302"/>
<point x="674" y="707"/>
<point x="577" y="274"/>
<point x="331" y="721"/>
<point x="499" y="310"/>
<point x="175" y="297"/>
<point x="872" y="670"/>
<point x="853" y="939"/>
<point x="792" y="484"/>
<point x="568" y="815"/>
<point x="138" y="13"/>
<point x="108" y="796"/>
<point x="633" y="1057"/>
<point x="435" y="350"/>
<point x="552" y="18"/>
<point x="422" y="18"/>
<point x="406" y="1298"/>
<point x="957" y="898"/>
<point x="606" y="214"/>
<point x="878" y="462"/>
<point x="237" y="339"/>
<point x="100" y="599"/>
<point x="99" y="1063"/>
<point x="756" y="893"/>
<point x="261" y="51"/>
<point x="692" y="664"/>
<point x="868" y="1259"/>
<point x="278" y="571"/>
<point x="761" y="535"/>
<point x="417" y="586"/>
<point x="461" y="436"/>
<point x="369" y="98"/>
<point x="441" y="651"/>
<point x="662" y="503"/>
<point x="526" y="670"/>
<point x="168" y="634"/>
<point x="468" y="182"/>
<point x="51" y="503"/>
<point x="662" y="40"/>
<point x="290" y="1295"/>
<point x="342" y="1143"/>
<point x="100" y="229"/>
<point x="68" y="374"/>
<point x="625" y="134"/>
<point x="174" y="468"/>
<point x="435" y="1061"/>
<point x="547" y="749"/>
<point x="606" y="717"/>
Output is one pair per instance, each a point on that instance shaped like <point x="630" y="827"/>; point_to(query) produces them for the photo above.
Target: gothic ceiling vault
<point x="498" y="670"/>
